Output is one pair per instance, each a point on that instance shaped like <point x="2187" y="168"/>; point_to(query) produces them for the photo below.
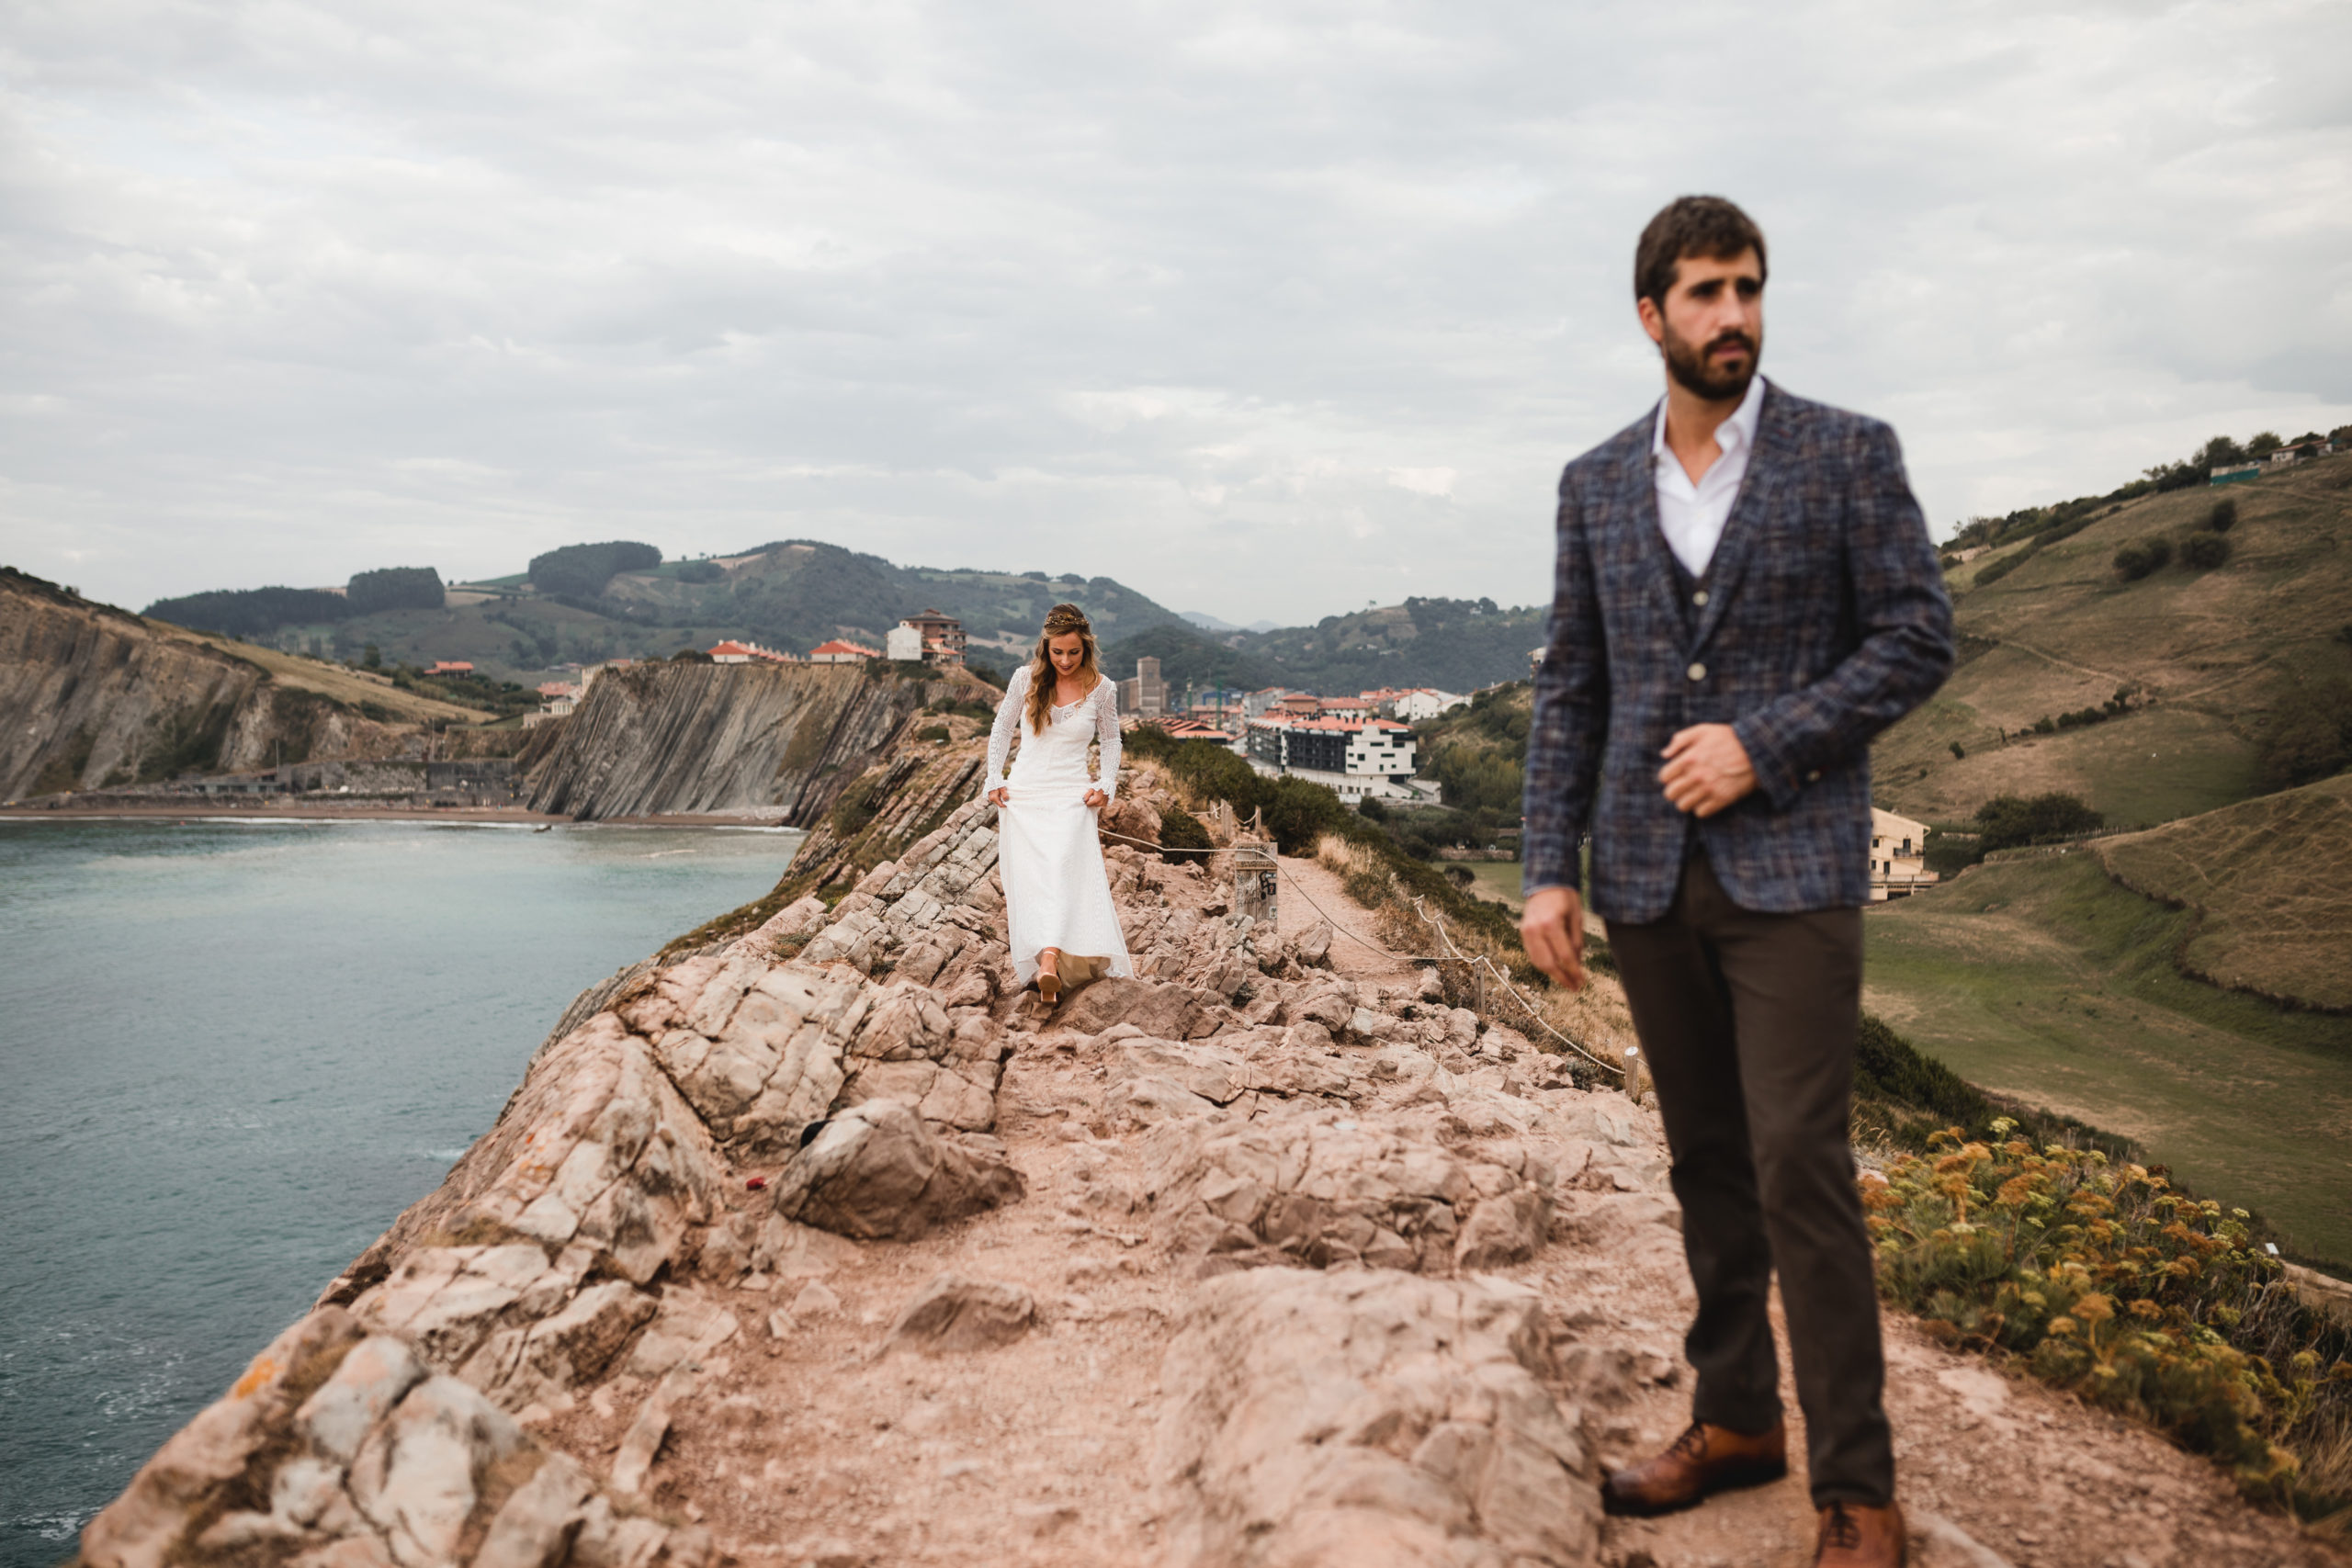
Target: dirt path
<point x="1311" y="892"/>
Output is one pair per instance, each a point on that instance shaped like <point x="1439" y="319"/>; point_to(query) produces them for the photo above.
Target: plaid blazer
<point x="1825" y="621"/>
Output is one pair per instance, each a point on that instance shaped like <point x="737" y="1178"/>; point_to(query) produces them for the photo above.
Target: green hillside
<point x="2210" y="662"/>
<point x="2044" y="979"/>
<point x="1456" y="645"/>
<point x="2264" y="883"/>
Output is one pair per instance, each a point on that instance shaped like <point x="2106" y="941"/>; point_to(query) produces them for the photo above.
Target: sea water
<point x="233" y="1052"/>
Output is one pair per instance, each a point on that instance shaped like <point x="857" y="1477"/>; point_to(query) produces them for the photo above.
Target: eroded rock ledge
<point x="628" y="1327"/>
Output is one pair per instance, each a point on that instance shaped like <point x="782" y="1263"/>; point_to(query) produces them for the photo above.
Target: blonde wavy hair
<point x="1060" y="621"/>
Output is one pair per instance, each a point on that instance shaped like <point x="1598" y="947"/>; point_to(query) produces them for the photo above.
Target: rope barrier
<point x="1454" y="955"/>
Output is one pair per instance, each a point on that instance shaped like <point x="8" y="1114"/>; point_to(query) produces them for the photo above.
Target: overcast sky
<point x="1266" y="309"/>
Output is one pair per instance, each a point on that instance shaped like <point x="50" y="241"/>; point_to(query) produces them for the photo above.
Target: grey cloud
<point x="1268" y="310"/>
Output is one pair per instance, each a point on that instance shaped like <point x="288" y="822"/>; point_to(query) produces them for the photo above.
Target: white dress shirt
<point x="1693" y="516"/>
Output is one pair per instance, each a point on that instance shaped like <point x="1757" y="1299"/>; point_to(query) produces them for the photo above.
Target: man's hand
<point x="1552" y="927"/>
<point x="1001" y="794"/>
<point x="1706" y="769"/>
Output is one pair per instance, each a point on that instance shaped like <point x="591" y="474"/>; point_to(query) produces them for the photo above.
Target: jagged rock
<point x="1313" y="947"/>
<point x="643" y="1442"/>
<point x="690" y="1326"/>
<point x="953" y="1313"/>
<point x="1215" y="1074"/>
<point x="197" y="1463"/>
<point x="418" y="1477"/>
<point x="335" y="1450"/>
<point x="876" y="1171"/>
<point x="596" y="1158"/>
<point x="1149" y="1100"/>
<point x="730" y="737"/>
<point x="1319" y="1189"/>
<point x="1167" y="1012"/>
<point x="1368" y="1419"/>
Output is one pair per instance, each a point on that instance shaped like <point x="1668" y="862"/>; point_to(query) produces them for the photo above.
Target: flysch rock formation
<point x="92" y="695"/>
<point x="662" y="738"/>
<point x="817" y="1245"/>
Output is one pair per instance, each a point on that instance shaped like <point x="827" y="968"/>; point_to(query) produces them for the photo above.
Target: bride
<point x="1058" y="897"/>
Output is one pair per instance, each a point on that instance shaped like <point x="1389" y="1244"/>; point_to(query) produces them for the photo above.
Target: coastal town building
<point x="2236" y="473"/>
<point x="734" y="652"/>
<point x="938" y="639"/>
<point x="837" y="651"/>
<point x="1264" y="699"/>
<point x="1899" y="857"/>
<point x="1355" y="757"/>
<point x="1145" y="696"/>
<point x="450" y="667"/>
<point x="1424" y="703"/>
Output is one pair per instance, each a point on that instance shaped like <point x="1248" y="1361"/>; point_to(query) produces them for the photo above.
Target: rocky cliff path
<point x="819" y="1248"/>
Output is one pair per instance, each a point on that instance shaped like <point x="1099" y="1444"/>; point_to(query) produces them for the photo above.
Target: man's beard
<point x="1690" y="366"/>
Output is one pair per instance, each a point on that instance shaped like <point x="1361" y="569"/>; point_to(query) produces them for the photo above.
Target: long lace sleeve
<point x="1106" y="731"/>
<point x="1007" y="719"/>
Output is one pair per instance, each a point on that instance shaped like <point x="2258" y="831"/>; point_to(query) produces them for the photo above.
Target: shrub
<point x="581" y="571"/>
<point x="251" y="612"/>
<point x="2224" y="517"/>
<point x="700" y="571"/>
<point x="692" y="655"/>
<point x="1958" y="752"/>
<point x="394" y="588"/>
<point x="2008" y="820"/>
<point x="1993" y="571"/>
<point x="2142" y="557"/>
<point x="2203" y="552"/>
<point x="2111" y="1284"/>
<point x="1180" y="831"/>
<point x="935" y="732"/>
<point x="2309" y="735"/>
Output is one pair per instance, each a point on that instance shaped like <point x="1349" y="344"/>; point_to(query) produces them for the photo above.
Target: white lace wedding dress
<point x="1056" y="892"/>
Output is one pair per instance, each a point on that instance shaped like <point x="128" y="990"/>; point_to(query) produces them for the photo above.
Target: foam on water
<point x="234" y="1049"/>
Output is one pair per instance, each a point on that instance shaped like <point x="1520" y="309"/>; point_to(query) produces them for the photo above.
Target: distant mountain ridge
<point x="622" y="599"/>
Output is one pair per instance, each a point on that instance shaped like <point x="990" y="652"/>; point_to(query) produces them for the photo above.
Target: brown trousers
<point x="1748" y="1021"/>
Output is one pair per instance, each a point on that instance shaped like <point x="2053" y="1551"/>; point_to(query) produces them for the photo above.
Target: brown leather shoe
<point x="1854" y="1535"/>
<point x="1703" y="1461"/>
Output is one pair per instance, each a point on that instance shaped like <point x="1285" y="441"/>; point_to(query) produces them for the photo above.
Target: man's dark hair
<point x="1704" y="226"/>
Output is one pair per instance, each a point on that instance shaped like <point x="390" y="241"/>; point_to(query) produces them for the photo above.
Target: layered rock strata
<point x="688" y="737"/>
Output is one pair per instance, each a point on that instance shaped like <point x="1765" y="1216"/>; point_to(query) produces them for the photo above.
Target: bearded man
<point x="1745" y="595"/>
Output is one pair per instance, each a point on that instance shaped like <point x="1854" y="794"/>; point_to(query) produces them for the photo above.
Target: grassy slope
<point x="329" y="679"/>
<point x="2267" y="881"/>
<point x="2045" y="980"/>
<point x="2061" y="632"/>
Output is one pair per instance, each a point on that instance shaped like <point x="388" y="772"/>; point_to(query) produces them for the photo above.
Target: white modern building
<point x="1355" y="757"/>
<point x="1424" y="703"/>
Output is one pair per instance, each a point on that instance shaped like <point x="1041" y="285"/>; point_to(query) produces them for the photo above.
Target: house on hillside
<point x="2236" y="473"/>
<point x="1899" y="857"/>
<point x="839" y="652"/>
<point x="450" y="667"/>
<point x="930" y="636"/>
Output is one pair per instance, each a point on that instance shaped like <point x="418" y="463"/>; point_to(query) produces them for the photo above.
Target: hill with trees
<point x="2159" y="651"/>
